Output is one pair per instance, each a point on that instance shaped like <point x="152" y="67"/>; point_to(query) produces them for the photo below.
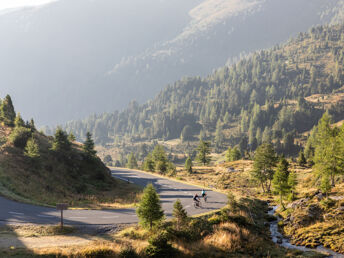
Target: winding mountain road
<point x="14" y="212"/>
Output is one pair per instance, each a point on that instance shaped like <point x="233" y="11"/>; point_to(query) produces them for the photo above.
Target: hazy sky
<point x="6" y="4"/>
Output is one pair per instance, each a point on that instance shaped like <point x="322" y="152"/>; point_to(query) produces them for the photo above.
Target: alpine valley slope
<point x="104" y="53"/>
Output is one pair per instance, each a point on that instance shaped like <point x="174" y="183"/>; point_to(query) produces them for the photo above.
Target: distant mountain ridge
<point x="102" y="54"/>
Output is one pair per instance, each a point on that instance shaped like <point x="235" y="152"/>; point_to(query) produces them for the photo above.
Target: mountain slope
<point x="45" y="174"/>
<point x="275" y="94"/>
<point x="76" y="57"/>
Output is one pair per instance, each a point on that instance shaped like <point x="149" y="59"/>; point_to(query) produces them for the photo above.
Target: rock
<point x="298" y="203"/>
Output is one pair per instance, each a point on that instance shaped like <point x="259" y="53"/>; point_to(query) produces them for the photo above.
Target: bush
<point x="20" y="136"/>
<point x="327" y="203"/>
<point x="100" y="252"/>
<point x="159" y="247"/>
<point x="128" y="252"/>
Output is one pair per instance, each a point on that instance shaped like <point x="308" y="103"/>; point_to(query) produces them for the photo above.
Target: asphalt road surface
<point x="14" y="212"/>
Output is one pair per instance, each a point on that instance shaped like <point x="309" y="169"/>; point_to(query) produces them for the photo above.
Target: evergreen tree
<point x="218" y="136"/>
<point x="132" y="162"/>
<point x="280" y="179"/>
<point x="32" y="125"/>
<point x="235" y="154"/>
<point x="301" y="159"/>
<point x="203" y="152"/>
<point x="180" y="215"/>
<point x="88" y="146"/>
<point x="60" y="142"/>
<point x="71" y="137"/>
<point x="292" y="182"/>
<point x="148" y="164"/>
<point x="263" y="166"/>
<point x="32" y="149"/>
<point x="7" y="113"/>
<point x="19" y="122"/>
<point x="326" y="158"/>
<point x="149" y="209"/>
<point x="188" y="165"/>
<point x="229" y="154"/>
<point x="325" y="185"/>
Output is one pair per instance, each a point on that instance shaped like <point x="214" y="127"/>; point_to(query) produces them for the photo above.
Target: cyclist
<point x="196" y="200"/>
<point x="204" y="195"/>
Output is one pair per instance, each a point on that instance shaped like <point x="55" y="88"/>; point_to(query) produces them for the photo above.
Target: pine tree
<point x="60" y="142"/>
<point x="89" y="145"/>
<point x="132" y="162"/>
<point x="7" y="113"/>
<point x="71" y="137"/>
<point x="326" y="158"/>
<point x="203" y="152"/>
<point x="229" y="154"/>
<point x="19" y="122"/>
<point x="218" y="135"/>
<point x="263" y="166"/>
<point x="280" y="179"/>
<point x="301" y="159"/>
<point x="325" y="185"/>
<point x="180" y="215"/>
<point x="32" y="149"/>
<point x="149" y="209"/>
<point x="188" y="165"/>
<point x="148" y="164"/>
<point x="292" y="182"/>
<point x="32" y="125"/>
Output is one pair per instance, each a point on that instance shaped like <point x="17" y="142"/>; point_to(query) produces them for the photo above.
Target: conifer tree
<point x="292" y="182"/>
<point x="7" y="113"/>
<point x="263" y="166"/>
<point x="148" y="164"/>
<point x="325" y="185"/>
<point x="188" y="165"/>
<point x="280" y="180"/>
<point x="60" y="142"/>
<point x="32" y="125"/>
<point x="89" y="145"/>
<point x="326" y="158"/>
<point x="301" y="159"/>
<point x="203" y="152"/>
<point x="149" y="209"/>
<point x="19" y="122"/>
<point x="132" y="162"/>
<point x="71" y="137"/>
<point x="180" y="215"/>
<point x="32" y="149"/>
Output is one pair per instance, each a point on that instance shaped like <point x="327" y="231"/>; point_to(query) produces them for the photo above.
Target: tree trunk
<point x="332" y="180"/>
<point x="263" y="187"/>
<point x="281" y="200"/>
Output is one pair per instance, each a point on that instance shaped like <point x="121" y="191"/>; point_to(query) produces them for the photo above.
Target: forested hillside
<point x="272" y="95"/>
<point x="104" y="53"/>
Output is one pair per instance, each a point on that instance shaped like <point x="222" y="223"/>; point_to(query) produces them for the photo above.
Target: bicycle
<point x="197" y="204"/>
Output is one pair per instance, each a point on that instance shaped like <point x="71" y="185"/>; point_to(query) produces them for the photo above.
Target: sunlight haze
<point x="9" y="4"/>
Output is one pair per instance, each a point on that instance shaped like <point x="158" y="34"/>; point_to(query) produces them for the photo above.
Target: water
<point x="285" y="242"/>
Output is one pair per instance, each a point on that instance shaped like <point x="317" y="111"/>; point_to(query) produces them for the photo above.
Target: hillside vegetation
<point x="272" y="95"/>
<point x="48" y="170"/>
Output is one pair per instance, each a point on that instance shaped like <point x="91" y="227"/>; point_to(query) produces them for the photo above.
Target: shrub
<point x="128" y="252"/>
<point x="159" y="247"/>
<point x="20" y="136"/>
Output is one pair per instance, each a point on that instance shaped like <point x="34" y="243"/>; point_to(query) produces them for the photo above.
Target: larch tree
<point x="203" y="155"/>
<point x="280" y="180"/>
<point x="263" y="167"/>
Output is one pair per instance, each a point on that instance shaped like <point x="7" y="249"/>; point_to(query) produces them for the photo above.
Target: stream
<point x="278" y="238"/>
